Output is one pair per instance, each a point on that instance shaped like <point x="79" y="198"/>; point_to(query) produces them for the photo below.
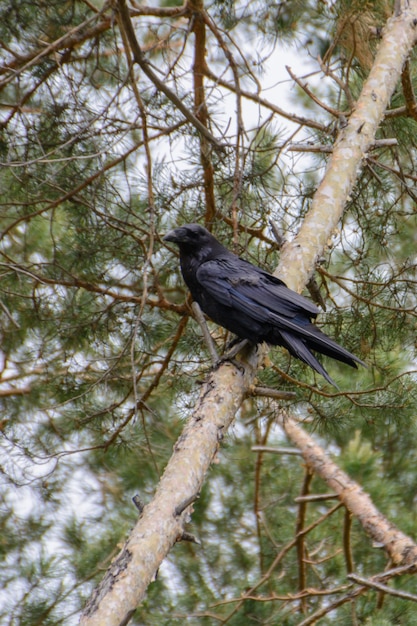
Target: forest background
<point x="119" y="122"/>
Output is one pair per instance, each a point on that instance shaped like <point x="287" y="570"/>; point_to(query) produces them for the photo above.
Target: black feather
<point x="250" y="302"/>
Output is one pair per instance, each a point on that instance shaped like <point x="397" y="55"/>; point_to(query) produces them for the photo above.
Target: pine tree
<point x="288" y="502"/>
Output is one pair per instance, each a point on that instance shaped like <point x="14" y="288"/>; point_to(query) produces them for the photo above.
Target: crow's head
<point x="190" y="237"/>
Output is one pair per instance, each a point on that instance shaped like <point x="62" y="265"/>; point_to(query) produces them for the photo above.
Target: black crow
<point x="249" y="302"/>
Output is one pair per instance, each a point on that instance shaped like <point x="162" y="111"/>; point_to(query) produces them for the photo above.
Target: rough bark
<point x="400" y="548"/>
<point x="299" y="257"/>
<point x="161" y="524"/>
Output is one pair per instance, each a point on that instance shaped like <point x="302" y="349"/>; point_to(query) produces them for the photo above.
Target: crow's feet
<point x="234" y="347"/>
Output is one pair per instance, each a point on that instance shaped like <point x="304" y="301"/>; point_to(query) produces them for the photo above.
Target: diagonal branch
<point x="401" y="548"/>
<point x="299" y="257"/>
<point x="160" y="527"/>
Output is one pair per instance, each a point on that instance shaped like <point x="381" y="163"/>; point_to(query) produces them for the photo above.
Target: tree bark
<point x="299" y="257"/>
<point x="162" y="522"/>
<point x="400" y="548"/>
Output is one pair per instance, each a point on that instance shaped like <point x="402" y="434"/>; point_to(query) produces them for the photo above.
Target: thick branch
<point x="401" y="548"/>
<point x="159" y="527"/>
<point x="299" y="257"/>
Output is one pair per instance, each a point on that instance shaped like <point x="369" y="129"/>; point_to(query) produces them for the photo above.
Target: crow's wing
<point x="235" y="282"/>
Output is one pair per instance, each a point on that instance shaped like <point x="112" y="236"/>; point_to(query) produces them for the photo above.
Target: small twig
<point x="255" y="97"/>
<point x="127" y="618"/>
<point x="397" y="112"/>
<point x="237" y="347"/>
<point x="189" y="537"/>
<point x="317" y="497"/>
<point x="201" y="320"/>
<point x="314" y="291"/>
<point x="396" y="571"/>
<point x="138" y="503"/>
<point x="277" y="450"/>
<point x="268" y="392"/>
<point x="341" y="83"/>
<point x="327" y="148"/>
<point x="366" y="582"/>
<point x="304" y="86"/>
<point x="186" y="503"/>
<point x="277" y="234"/>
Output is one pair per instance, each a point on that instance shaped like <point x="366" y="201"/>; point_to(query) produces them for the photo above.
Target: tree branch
<point x="299" y="257"/>
<point x="127" y="579"/>
<point x="143" y="63"/>
<point x="401" y="548"/>
<point x="200" y="106"/>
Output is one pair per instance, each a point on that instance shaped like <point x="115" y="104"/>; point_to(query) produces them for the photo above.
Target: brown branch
<point x="267" y="392"/>
<point x="373" y="584"/>
<point x="200" y="107"/>
<point x="255" y="97"/>
<point x="77" y="36"/>
<point x="343" y="84"/>
<point x="401" y="549"/>
<point x="280" y="556"/>
<point x="302" y="511"/>
<point x="78" y="283"/>
<point x="238" y="170"/>
<point x="144" y="64"/>
<point x="347" y="547"/>
<point x="85" y="183"/>
<point x="408" y="90"/>
<point x="304" y="86"/>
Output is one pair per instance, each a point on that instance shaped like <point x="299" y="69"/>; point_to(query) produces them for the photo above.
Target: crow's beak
<point x="176" y="236"/>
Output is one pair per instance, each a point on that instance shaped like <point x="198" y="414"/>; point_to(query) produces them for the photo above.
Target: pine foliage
<point x="101" y="358"/>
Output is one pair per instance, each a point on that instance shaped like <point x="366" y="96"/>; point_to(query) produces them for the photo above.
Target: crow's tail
<point x="298" y="348"/>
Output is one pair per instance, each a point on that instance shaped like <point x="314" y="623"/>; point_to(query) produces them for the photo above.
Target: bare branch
<point x="401" y="548"/>
<point x="141" y="60"/>
<point x="373" y="584"/>
<point x="299" y="257"/>
<point x="159" y="527"/>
